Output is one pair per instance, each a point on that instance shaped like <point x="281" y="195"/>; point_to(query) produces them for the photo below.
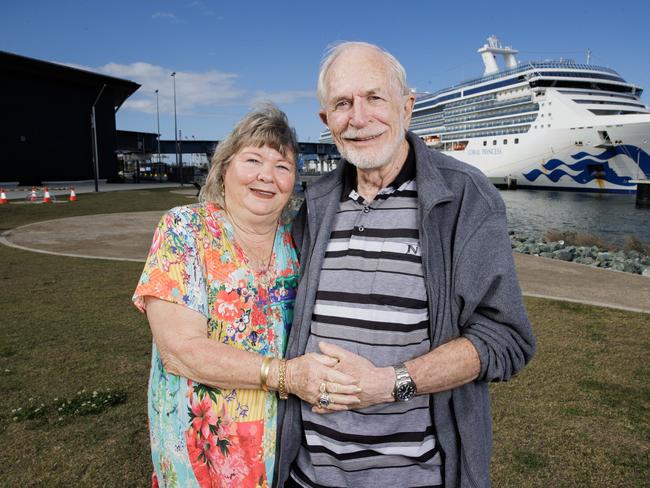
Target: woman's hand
<point x="306" y="373"/>
<point x="376" y="384"/>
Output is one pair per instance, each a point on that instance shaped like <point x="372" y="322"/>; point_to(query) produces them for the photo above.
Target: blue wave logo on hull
<point x="591" y="167"/>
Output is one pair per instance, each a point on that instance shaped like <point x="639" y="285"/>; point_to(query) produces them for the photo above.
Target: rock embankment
<point x="626" y="261"/>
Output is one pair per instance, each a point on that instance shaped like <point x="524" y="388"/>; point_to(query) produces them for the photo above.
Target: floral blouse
<point x="203" y="436"/>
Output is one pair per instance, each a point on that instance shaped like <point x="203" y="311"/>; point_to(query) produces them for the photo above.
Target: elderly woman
<point x="218" y="290"/>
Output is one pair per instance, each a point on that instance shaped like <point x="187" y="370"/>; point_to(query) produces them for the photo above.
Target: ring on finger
<point x="323" y="387"/>
<point x="324" y="400"/>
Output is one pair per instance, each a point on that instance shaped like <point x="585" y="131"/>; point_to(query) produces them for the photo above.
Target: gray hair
<point x="334" y="50"/>
<point x="266" y="125"/>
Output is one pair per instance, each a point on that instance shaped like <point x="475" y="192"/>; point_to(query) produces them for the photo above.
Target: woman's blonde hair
<point x="266" y="125"/>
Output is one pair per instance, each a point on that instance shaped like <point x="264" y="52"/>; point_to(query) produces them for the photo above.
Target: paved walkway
<point x="127" y="236"/>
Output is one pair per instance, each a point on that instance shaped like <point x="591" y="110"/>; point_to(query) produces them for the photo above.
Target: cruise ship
<point x="546" y="125"/>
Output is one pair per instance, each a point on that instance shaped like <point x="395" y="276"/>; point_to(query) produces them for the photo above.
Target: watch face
<point x="405" y="392"/>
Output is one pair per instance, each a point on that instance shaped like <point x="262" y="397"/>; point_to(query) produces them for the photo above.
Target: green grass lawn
<point x="74" y="357"/>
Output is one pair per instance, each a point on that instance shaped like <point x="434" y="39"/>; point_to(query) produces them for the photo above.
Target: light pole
<point x="158" y="136"/>
<point x="93" y="125"/>
<point x="178" y="161"/>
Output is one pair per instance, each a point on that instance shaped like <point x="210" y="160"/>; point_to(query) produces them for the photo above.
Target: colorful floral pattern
<point x="202" y="436"/>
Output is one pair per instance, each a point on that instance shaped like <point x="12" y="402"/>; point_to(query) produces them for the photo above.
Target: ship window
<point x="494" y="142"/>
<point x="505" y="141"/>
<point x="516" y="140"/>
<point x="485" y="143"/>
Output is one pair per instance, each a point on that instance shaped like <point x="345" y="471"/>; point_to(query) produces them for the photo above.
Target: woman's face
<point x="259" y="181"/>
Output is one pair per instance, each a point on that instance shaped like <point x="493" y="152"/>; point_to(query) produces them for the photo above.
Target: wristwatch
<point x="404" y="388"/>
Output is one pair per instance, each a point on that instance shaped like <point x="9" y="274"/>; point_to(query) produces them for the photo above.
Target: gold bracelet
<point x="282" y="380"/>
<point x="264" y="372"/>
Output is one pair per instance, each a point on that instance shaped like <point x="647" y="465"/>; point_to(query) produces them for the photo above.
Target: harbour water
<point x="610" y="216"/>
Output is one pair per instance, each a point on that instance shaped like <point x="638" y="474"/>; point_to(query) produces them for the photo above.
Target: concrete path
<point x="127" y="236"/>
<point x="550" y="278"/>
<point x="119" y="236"/>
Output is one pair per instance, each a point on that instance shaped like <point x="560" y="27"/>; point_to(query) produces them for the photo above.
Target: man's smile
<point x="362" y="138"/>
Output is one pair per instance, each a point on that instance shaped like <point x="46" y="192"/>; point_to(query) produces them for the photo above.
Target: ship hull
<point x="575" y="159"/>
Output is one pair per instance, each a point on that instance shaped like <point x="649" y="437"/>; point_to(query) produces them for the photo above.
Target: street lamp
<point x="178" y="161"/>
<point x="158" y="135"/>
<point x="93" y="125"/>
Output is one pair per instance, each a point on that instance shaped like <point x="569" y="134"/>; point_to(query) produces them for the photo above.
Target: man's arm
<point x="490" y="308"/>
<point x="448" y="366"/>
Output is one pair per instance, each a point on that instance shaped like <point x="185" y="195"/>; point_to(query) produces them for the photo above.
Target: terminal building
<point x="45" y="127"/>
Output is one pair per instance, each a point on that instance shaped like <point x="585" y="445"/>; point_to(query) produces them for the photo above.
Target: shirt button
<point x="366" y="210"/>
<point x="360" y="228"/>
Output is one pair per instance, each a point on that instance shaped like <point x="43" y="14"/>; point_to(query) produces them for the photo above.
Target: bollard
<point x="642" y="194"/>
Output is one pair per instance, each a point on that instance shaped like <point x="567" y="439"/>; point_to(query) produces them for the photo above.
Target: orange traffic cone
<point x="3" y="196"/>
<point x="46" y="196"/>
<point x="73" y="195"/>
<point x="33" y="197"/>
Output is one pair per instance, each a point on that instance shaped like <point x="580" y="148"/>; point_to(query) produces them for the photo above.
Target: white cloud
<point x="289" y="96"/>
<point x="197" y="93"/>
<point x="202" y="6"/>
<point x="163" y="15"/>
<point x="194" y="91"/>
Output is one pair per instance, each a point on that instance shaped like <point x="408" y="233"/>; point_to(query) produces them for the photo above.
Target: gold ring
<point x="323" y="387"/>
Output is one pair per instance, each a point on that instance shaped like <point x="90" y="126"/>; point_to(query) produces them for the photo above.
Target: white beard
<point x="377" y="158"/>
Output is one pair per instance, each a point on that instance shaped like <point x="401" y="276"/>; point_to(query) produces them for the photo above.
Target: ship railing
<point x="471" y="101"/>
<point x="488" y="105"/>
<point x="502" y="132"/>
<point x="472" y="127"/>
<point x="496" y="123"/>
<point x="521" y="68"/>
<point x="530" y="107"/>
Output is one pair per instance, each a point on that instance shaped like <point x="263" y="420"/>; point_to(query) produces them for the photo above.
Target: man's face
<point x="364" y="108"/>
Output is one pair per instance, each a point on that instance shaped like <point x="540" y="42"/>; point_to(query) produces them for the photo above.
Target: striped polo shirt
<point x="372" y="300"/>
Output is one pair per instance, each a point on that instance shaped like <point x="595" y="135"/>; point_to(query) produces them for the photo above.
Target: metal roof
<point x="10" y="62"/>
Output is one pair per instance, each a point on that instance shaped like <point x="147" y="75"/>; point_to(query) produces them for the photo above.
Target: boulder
<point x="604" y="256"/>
<point x="563" y="255"/>
<point x="632" y="267"/>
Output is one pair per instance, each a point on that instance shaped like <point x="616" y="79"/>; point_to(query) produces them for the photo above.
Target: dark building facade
<point x="45" y="121"/>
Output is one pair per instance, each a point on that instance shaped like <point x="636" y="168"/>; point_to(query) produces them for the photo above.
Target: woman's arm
<point x="180" y="334"/>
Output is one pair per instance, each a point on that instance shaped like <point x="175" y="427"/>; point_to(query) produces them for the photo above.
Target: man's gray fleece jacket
<point x="472" y="291"/>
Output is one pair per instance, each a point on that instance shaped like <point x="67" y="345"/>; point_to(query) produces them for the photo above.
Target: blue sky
<point x="229" y="55"/>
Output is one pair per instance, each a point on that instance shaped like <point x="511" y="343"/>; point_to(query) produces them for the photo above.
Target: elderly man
<point x="408" y="280"/>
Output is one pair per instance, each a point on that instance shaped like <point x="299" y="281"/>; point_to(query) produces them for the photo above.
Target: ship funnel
<point x="489" y="52"/>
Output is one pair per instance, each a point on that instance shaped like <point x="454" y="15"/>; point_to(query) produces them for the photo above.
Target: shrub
<point x="573" y="238"/>
<point x="633" y="243"/>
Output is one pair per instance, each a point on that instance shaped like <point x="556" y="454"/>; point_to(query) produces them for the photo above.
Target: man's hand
<point x="376" y="383"/>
